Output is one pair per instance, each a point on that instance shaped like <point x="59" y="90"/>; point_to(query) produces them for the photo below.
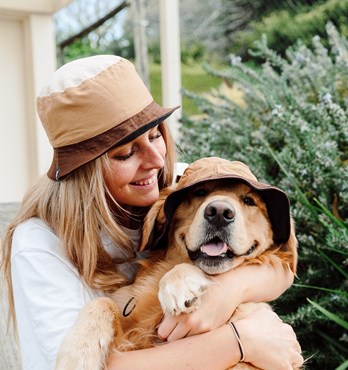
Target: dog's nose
<point x="219" y="213"/>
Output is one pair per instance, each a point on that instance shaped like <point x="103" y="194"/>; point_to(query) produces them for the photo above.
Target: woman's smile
<point x="146" y="182"/>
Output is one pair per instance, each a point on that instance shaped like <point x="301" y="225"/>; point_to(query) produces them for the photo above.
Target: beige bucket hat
<point x="214" y="168"/>
<point x="91" y="105"/>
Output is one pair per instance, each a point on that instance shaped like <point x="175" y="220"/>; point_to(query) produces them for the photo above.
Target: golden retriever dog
<point x="218" y="218"/>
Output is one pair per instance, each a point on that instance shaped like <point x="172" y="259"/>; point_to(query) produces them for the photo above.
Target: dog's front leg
<point x="96" y="331"/>
<point x="180" y="288"/>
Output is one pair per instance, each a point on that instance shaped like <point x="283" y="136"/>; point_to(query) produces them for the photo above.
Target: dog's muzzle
<point x="214" y="247"/>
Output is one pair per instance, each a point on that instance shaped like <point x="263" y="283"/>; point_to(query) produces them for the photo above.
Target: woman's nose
<point x="153" y="157"/>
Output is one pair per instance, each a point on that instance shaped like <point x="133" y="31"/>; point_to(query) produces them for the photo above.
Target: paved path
<point x="9" y="352"/>
<point x="7" y="211"/>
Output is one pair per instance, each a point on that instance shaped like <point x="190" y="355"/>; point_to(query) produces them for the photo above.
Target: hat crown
<point x="214" y="167"/>
<point x="89" y="96"/>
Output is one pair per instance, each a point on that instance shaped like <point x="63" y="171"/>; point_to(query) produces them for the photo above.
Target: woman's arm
<point x="254" y="283"/>
<point x="217" y="349"/>
<point x="268" y="344"/>
<point x="250" y="283"/>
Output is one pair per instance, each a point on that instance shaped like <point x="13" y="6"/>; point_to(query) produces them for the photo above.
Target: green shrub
<point x="292" y="130"/>
<point x="79" y="49"/>
<point x="189" y="53"/>
<point x="284" y="27"/>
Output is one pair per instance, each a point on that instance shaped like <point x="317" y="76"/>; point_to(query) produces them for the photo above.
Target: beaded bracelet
<point x="242" y="352"/>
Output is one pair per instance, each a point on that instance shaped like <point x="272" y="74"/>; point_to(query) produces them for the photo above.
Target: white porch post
<point x="170" y="60"/>
<point x="29" y="59"/>
<point x="42" y="62"/>
<point x="140" y="40"/>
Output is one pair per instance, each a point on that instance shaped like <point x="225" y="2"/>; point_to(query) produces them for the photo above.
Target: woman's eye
<point x="124" y="157"/>
<point x="155" y="136"/>
<point x="249" y="201"/>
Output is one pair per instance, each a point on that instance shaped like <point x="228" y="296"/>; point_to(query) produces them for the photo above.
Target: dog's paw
<point x="180" y="288"/>
<point x="87" y="344"/>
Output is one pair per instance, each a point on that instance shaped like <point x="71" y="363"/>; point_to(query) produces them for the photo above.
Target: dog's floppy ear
<point x="154" y="220"/>
<point x="290" y="248"/>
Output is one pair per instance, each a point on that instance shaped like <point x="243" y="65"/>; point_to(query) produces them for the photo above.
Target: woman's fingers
<point x="297" y="362"/>
<point x="166" y="327"/>
<point x="173" y="328"/>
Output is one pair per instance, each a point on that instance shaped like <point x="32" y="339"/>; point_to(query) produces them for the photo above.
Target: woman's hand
<point x="216" y="307"/>
<point x="268" y="342"/>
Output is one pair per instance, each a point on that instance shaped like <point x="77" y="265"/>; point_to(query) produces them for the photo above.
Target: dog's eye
<point x="249" y="201"/>
<point x="199" y="192"/>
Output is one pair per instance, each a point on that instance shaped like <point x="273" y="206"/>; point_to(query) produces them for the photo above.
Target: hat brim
<point x="70" y="157"/>
<point x="276" y="200"/>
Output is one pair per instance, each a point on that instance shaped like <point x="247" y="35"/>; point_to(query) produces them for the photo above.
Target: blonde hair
<point x="77" y="209"/>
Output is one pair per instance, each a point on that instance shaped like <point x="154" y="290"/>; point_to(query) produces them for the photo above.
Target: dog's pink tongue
<point x="214" y="249"/>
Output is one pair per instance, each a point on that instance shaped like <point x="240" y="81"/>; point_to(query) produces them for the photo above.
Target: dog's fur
<point x="210" y="218"/>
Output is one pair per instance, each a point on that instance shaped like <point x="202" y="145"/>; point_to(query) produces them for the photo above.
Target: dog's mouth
<point x="217" y="249"/>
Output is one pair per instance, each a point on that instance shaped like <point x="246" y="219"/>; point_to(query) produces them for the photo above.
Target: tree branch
<point x="93" y="26"/>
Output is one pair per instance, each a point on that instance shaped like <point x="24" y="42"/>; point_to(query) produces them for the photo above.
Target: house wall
<point x="13" y="144"/>
<point x="28" y="58"/>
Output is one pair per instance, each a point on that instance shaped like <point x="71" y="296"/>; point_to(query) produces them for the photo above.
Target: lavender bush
<point x="292" y="130"/>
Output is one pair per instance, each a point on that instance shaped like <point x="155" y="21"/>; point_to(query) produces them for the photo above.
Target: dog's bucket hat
<point x="91" y="105"/>
<point x="214" y="168"/>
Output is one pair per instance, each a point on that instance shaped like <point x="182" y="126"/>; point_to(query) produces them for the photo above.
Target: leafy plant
<point x="291" y="128"/>
<point x="285" y="25"/>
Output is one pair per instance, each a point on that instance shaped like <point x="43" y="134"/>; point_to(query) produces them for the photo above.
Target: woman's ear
<point x="290" y="248"/>
<point x="154" y="220"/>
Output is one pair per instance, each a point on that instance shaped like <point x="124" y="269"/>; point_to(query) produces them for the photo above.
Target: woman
<point x="77" y="231"/>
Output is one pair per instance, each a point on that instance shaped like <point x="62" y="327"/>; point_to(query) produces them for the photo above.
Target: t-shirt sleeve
<point x="179" y="169"/>
<point x="48" y="295"/>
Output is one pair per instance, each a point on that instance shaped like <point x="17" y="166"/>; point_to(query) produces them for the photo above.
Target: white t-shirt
<point x="48" y="291"/>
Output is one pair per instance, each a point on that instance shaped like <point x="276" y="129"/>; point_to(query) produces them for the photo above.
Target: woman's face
<point x="134" y="167"/>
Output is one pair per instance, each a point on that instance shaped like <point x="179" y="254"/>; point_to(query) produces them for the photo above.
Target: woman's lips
<point x="151" y="180"/>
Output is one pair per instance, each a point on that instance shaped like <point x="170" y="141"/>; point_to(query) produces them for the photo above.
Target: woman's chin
<point x="146" y="200"/>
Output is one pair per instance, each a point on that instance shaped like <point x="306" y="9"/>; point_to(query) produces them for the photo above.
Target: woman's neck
<point x="131" y="217"/>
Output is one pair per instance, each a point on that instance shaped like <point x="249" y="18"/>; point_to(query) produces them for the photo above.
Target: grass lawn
<point x="193" y="78"/>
